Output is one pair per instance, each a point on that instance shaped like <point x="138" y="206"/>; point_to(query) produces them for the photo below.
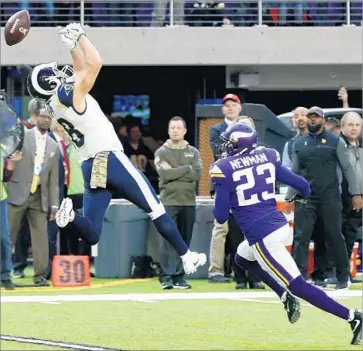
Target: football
<point x="17" y="27"/>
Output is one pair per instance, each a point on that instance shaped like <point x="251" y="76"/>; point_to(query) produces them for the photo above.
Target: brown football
<point x="17" y="27"/>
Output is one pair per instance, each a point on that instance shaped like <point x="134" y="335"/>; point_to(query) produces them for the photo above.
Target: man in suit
<point x="22" y="242"/>
<point x="33" y="189"/>
<point x="231" y="110"/>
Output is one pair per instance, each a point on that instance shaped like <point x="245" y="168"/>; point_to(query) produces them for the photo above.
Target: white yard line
<point x="58" y="344"/>
<point x="159" y="297"/>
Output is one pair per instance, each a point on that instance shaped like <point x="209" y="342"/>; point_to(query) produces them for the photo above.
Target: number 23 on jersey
<point x="259" y="184"/>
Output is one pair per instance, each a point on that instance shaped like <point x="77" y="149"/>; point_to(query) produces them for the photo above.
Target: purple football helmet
<point x="238" y="138"/>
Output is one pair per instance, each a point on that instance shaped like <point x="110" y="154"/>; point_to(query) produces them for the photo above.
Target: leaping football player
<point x="245" y="183"/>
<point x="106" y="169"/>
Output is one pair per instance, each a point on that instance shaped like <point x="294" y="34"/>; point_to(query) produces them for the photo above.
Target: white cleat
<point x="65" y="213"/>
<point x="193" y="260"/>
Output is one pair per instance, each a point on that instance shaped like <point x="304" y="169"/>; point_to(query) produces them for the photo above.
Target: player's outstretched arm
<point x="86" y="77"/>
<point x="222" y="203"/>
<point x="284" y="175"/>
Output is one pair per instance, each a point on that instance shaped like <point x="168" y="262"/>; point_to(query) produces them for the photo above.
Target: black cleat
<point x="292" y="308"/>
<point x="356" y="325"/>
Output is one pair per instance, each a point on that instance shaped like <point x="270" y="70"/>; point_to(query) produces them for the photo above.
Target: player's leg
<point x="132" y="185"/>
<point x="246" y="259"/>
<point x="95" y="203"/>
<point x="277" y="261"/>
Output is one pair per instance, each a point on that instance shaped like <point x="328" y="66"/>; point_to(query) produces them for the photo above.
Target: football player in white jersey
<point x="106" y="169"/>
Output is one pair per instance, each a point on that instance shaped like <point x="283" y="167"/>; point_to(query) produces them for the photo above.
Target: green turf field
<point x="138" y="315"/>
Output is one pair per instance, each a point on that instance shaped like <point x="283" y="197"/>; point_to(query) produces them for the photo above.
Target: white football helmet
<point x="44" y="80"/>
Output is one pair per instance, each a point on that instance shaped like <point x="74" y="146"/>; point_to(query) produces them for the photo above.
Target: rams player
<point x="106" y="169"/>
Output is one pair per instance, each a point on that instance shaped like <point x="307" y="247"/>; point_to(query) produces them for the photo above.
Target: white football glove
<point x="67" y="38"/>
<point x="76" y="30"/>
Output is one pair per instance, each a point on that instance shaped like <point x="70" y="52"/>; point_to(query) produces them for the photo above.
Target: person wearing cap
<point x="316" y="156"/>
<point x="332" y="124"/>
<point x="231" y="110"/>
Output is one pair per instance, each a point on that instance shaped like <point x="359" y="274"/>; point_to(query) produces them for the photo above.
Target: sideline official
<point x="179" y="167"/>
<point x="316" y="156"/>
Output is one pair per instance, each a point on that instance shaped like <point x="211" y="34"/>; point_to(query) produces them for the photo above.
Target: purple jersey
<point x="247" y="184"/>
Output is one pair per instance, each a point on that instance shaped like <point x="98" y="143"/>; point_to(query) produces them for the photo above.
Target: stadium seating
<point x="140" y="13"/>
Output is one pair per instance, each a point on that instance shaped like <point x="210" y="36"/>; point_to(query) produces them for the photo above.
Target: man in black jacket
<point x="316" y="156"/>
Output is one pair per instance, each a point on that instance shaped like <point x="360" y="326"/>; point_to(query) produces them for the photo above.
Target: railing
<point x="142" y="13"/>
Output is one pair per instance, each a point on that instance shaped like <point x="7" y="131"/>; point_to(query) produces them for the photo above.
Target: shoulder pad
<point x="65" y="94"/>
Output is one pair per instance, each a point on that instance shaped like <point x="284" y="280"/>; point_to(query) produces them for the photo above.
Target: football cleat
<point x="193" y="260"/>
<point x="356" y="325"/>
<point x="292" y="307"/>
<point x="65" y="213"/>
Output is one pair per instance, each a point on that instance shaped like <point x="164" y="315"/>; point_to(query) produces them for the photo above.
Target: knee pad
<point x="157" y="212"/>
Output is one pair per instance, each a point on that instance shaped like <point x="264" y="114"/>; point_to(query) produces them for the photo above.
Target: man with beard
<point x="316" y="156"/>
<point x="299" y="121"/>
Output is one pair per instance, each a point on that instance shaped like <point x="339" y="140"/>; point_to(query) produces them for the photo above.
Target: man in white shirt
<point x="231" y="110"/>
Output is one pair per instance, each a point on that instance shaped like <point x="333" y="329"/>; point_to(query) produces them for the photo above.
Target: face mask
<point x="315" y="128"/>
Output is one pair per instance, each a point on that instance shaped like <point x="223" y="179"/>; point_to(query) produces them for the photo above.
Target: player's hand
<point x="16" y="156"/>
<point x="164" y="165"/>
<point x="357" y="202"/>
<point x="67" y="38"/>
<point x="76" y="30"/>
<point x="53" y="212"/>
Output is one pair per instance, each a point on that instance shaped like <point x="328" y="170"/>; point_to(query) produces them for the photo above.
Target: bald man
<point x="351" y="127"/>
<point x="300" y="122"/>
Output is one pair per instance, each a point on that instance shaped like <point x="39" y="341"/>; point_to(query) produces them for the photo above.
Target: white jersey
<point x="90" y="131"/>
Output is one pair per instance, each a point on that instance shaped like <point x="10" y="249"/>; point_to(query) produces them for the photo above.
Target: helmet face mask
<point x="238" y="139"/>
<point x="44" y="80"/>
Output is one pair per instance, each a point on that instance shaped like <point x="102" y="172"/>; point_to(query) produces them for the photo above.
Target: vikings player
<point x="106" y="169"/>
<point x="245" y="182"/>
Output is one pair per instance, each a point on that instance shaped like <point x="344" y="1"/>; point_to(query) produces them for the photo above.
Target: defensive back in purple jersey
<point x="245" y="183"/>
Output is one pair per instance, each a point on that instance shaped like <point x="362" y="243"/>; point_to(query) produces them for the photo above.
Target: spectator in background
<point x="300" y="122"/>
<point x="333" y="125"/>
<point x="138" y="152"/>
<point x="316" y="156"/>
<point x="33" y="189"/>
<point x="23" y="242"/>
<point x="179" y="167"/>
<point x="351" y="124"/>
<point x="6" y="281"/>
<point x="75" y="191"/>
<point x="160" y="12"/>
<point x="231" y="109"/>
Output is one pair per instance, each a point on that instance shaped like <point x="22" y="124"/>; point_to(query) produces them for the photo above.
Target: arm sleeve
<point x="347" y="167"/>
<point x="284" y="175"/>
<point x="222" y="203"/>
<point x="295" y="167"/>
<point x="286" y="162"/>
<point x="172" y="173"/>
<point x="196" y="172"/>
<point x="65" y="94"/>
